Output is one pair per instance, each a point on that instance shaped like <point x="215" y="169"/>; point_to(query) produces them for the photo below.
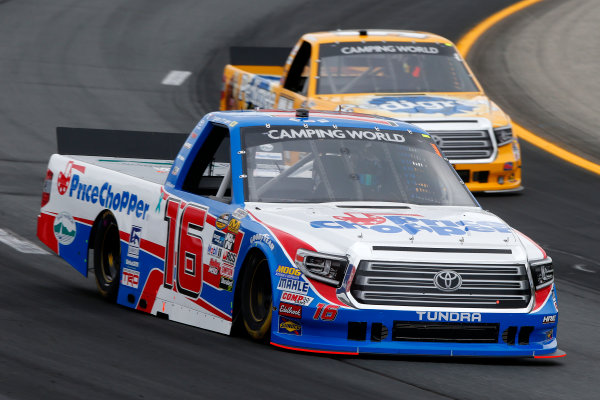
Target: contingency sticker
<point x="133" y="250"/>
<point x="296" y="298"/>
<point x="290" y="326"/>
<point x="65" y="228"/>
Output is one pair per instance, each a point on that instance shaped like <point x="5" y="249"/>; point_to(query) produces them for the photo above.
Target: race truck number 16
<point x="187" y="260"/>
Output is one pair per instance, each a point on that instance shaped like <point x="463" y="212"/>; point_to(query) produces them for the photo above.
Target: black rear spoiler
<point x="258" y="55"/>
<point x="116" y="143"/>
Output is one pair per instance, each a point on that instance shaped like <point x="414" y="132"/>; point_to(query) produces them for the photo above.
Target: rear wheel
<point x="107" y="257"/>
<point x="257" y="299"/>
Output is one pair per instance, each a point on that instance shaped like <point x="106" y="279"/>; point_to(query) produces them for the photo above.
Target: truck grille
<point x="412" y="285"/>
<point x="464" y="145"/>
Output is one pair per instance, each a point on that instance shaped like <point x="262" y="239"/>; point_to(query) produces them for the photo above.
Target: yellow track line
<point x="465" y="44"/>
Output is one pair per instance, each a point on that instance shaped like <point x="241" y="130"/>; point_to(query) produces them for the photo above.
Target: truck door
<point x="203" y="235"/>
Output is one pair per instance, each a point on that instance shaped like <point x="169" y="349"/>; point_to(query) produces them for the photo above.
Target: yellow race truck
<point x="416" y="77"/>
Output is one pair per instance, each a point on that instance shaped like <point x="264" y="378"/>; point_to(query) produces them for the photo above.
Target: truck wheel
<point x="107" y="257"/>
<point x="257" y="299"/>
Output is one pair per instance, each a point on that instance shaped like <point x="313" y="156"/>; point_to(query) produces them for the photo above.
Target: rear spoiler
<point x="117" y="143"/>
<point x="259" y="55"/>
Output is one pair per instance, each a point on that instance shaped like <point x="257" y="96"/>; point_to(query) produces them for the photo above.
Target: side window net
<point x="210" y="173"/>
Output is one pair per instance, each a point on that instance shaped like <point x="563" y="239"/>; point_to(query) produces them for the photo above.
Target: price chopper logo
<point x="64" y="178"/>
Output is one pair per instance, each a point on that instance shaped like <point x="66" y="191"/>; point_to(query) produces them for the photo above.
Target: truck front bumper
<point x="436" y="333"/>
<point x="502" y="174"/>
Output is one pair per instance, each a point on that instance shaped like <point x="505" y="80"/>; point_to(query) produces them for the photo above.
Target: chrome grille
<point x="464" y="144"/>
<point x="404" y="284"/>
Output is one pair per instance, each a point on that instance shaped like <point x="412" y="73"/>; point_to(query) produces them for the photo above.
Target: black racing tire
<point x="107" y="257"/>
<point x="257" y="299"/>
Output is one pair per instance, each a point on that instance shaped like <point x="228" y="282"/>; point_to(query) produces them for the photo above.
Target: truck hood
<point x="420" y="106"/>
<point x="350" y="228"/>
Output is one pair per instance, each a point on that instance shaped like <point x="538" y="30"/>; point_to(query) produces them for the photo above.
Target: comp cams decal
<point x="296" y="298"/>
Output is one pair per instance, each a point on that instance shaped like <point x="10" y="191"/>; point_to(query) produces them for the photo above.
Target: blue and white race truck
<point x="322" y="232"/>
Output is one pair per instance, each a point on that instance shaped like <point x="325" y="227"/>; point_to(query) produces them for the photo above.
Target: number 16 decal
<point x="187" y="260"/>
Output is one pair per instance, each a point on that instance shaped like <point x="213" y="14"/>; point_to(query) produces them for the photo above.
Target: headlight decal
<point x="504" y="135"/>
<point x="326" y="268"/>
<point x="542" y="273"/>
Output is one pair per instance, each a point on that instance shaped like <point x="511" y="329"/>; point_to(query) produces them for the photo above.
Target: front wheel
<point x="107" y="257"/>
<point x="257" y="300"/>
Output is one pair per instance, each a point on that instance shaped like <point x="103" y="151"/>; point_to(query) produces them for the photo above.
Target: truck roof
<point x="376" y="35"/>
<point x="315" y="118"/>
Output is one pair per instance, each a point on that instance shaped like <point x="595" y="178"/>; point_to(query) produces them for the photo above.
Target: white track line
<point x="176" y="78"/>
<point x="583" y="267"/>
<point x="20" y="244"/>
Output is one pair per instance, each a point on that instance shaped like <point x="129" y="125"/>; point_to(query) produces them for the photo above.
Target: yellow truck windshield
<point x="391" y="67"/>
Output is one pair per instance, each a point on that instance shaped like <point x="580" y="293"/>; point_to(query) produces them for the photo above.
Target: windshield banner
<point x="258" y="135"/>
<point x="350" y="48"/>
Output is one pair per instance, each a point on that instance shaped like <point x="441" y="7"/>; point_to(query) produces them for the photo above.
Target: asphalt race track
<point x="99" y="64"/>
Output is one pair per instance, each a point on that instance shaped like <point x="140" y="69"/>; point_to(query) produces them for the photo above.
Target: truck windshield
<point x="391" y="67"/>
<point x="293" y="164"/>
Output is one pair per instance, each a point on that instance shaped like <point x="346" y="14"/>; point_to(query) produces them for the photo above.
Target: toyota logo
<point x="447" y="280"/>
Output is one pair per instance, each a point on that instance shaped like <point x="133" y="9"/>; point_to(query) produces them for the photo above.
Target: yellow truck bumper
<point x="502" y="174"/>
